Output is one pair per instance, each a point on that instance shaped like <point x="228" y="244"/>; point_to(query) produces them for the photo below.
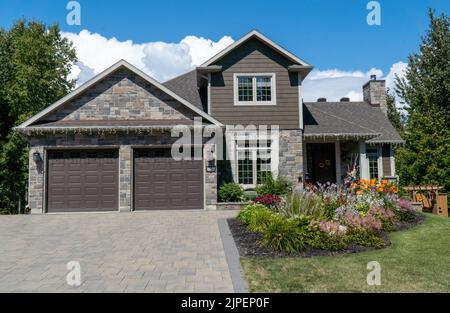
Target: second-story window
<point x="254" y="89"/>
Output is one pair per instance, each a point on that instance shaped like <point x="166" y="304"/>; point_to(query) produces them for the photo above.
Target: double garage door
<point x="88" y="181"/>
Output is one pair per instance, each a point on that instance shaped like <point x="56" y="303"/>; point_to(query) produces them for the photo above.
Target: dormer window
<point x="254" y="89"/>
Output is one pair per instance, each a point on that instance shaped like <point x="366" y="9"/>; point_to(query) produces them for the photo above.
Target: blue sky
<point x="332" y="35"/>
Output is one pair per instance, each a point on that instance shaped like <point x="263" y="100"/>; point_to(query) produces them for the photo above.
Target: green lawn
<point x="417" y="261"/>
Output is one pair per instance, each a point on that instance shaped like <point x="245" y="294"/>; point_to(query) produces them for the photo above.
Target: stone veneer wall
<point x="122" y="95"/>
<point x="291" y="156"/>
<point x="124" y="143"/>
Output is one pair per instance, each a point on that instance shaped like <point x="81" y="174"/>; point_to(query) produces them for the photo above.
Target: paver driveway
<point x="161" y="251"/>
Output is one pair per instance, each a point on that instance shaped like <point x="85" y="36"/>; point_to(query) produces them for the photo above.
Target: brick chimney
<point x="374" y="92"/>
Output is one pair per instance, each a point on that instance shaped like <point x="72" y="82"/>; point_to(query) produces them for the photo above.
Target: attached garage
<point x="82" y="181"/>
<point x="162" y="183"/>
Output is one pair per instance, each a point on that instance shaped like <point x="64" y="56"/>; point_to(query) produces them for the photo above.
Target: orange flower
<point x="384" y="182"/>
<point x="380" y="189"/>
<point x="359" y="192"/>
<point x="373" y="182"/>
<point x="394" y="189"/>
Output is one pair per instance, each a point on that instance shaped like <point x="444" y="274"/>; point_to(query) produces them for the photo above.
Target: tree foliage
<point x="425" y="158"/>
<point x="35" y="61"/>
<point x="393" y="114"/>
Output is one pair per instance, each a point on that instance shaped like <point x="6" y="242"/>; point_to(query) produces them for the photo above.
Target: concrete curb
<point x="232" y="257"/>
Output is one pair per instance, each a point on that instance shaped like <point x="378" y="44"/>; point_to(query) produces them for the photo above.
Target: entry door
<point x="322" y="162"/>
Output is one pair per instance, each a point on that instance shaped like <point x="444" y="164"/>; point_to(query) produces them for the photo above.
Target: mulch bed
<point x="249" y="243"/>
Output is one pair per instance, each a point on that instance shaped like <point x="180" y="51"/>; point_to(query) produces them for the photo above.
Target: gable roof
<point x="105" y="73"/>
<point x="265" y="40"/>
<point x="185" y="86"/>
<point x="348" y="119"/>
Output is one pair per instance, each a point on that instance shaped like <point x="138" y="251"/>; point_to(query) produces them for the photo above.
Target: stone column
<point x="125" y="185"/>
<point x="291" y="156"/>
<point x="36" y="181"/>
<point x="210" y="178"/>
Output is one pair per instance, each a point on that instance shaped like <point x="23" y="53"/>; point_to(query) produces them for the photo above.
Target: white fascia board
<point x="102" y="75"/>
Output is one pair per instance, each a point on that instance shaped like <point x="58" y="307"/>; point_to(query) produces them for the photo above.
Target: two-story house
<point x="108" y="145"/>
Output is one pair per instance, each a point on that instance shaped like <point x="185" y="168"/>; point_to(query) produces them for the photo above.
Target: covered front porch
<point x="329" y="160"/>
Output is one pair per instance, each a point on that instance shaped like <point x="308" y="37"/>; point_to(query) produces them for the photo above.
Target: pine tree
<point x="425" y="158"/>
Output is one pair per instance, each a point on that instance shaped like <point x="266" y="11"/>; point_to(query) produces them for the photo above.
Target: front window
<point x="372" y="157"/>
<point x="253" y="162"/>
<point x="254" y="89"/>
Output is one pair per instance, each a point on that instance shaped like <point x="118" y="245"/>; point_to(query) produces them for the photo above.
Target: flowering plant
<point x="332" y="228"/>
<point x="364" y="185"/>
<point x="271" y="201"/>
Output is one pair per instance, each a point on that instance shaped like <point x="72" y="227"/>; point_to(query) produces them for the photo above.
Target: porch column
<point x="337" y="149"/>
<point x="363" y="165"/>
<point x="291" y="157"/>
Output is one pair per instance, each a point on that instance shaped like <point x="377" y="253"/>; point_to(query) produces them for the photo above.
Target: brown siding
<point x="255" y="57"/>
<point x="386" y="154"/>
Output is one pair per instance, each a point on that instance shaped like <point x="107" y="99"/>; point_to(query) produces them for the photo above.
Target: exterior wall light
<point x="37" y="157"/>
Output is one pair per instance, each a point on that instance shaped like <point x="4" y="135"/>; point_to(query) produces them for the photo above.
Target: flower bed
<point x="323" y="220"/>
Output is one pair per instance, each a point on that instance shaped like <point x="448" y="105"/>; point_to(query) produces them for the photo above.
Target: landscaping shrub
<point x="326" y="235"/>
<point x="304" y="203"/>
<point x="247" y="213"/>
<point x="327" y="217"/>
<point x="260" y="219"/>
<point x="323" y="241"/>
<point x="404" y="211"/>
<point x="364" y="238"/>
<point x="329" y="207"/>
<point x="386" y="217"/>
<point x="271" y="186"/>
<point x="283" y="234"/>
<point x="271" y="201"/>
<point x="231" y="192"/>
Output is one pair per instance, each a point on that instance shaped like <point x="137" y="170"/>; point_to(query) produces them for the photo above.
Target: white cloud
<point x="396" y="69"/>
<point x="334" y="84"/>
<point x="163" y="61"/>
<point x="160" y="60"/>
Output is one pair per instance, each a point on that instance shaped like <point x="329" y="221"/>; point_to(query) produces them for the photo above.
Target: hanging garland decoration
<point x="150" y="130"/>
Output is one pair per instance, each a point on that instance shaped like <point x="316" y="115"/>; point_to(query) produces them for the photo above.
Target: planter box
<point x="230" y="205"/>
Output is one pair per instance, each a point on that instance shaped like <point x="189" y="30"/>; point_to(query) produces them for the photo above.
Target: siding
<point x="386" y="158"/>
<point x="255" y="57"/>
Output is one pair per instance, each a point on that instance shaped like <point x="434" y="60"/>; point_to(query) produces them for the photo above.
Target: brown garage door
<point x="82" y="181"/>
<point x="161" y="183"/>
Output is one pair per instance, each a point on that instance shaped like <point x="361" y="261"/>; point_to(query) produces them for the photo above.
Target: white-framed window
<point x="374" y="162"/>
<point x="253" y="161"/>
<point x="255" y="89"/>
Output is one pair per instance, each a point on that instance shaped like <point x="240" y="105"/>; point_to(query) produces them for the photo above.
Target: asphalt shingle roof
<point x="347" y="119"/>
<point x="358" y="119"/>
<point x="186" y="87"/>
